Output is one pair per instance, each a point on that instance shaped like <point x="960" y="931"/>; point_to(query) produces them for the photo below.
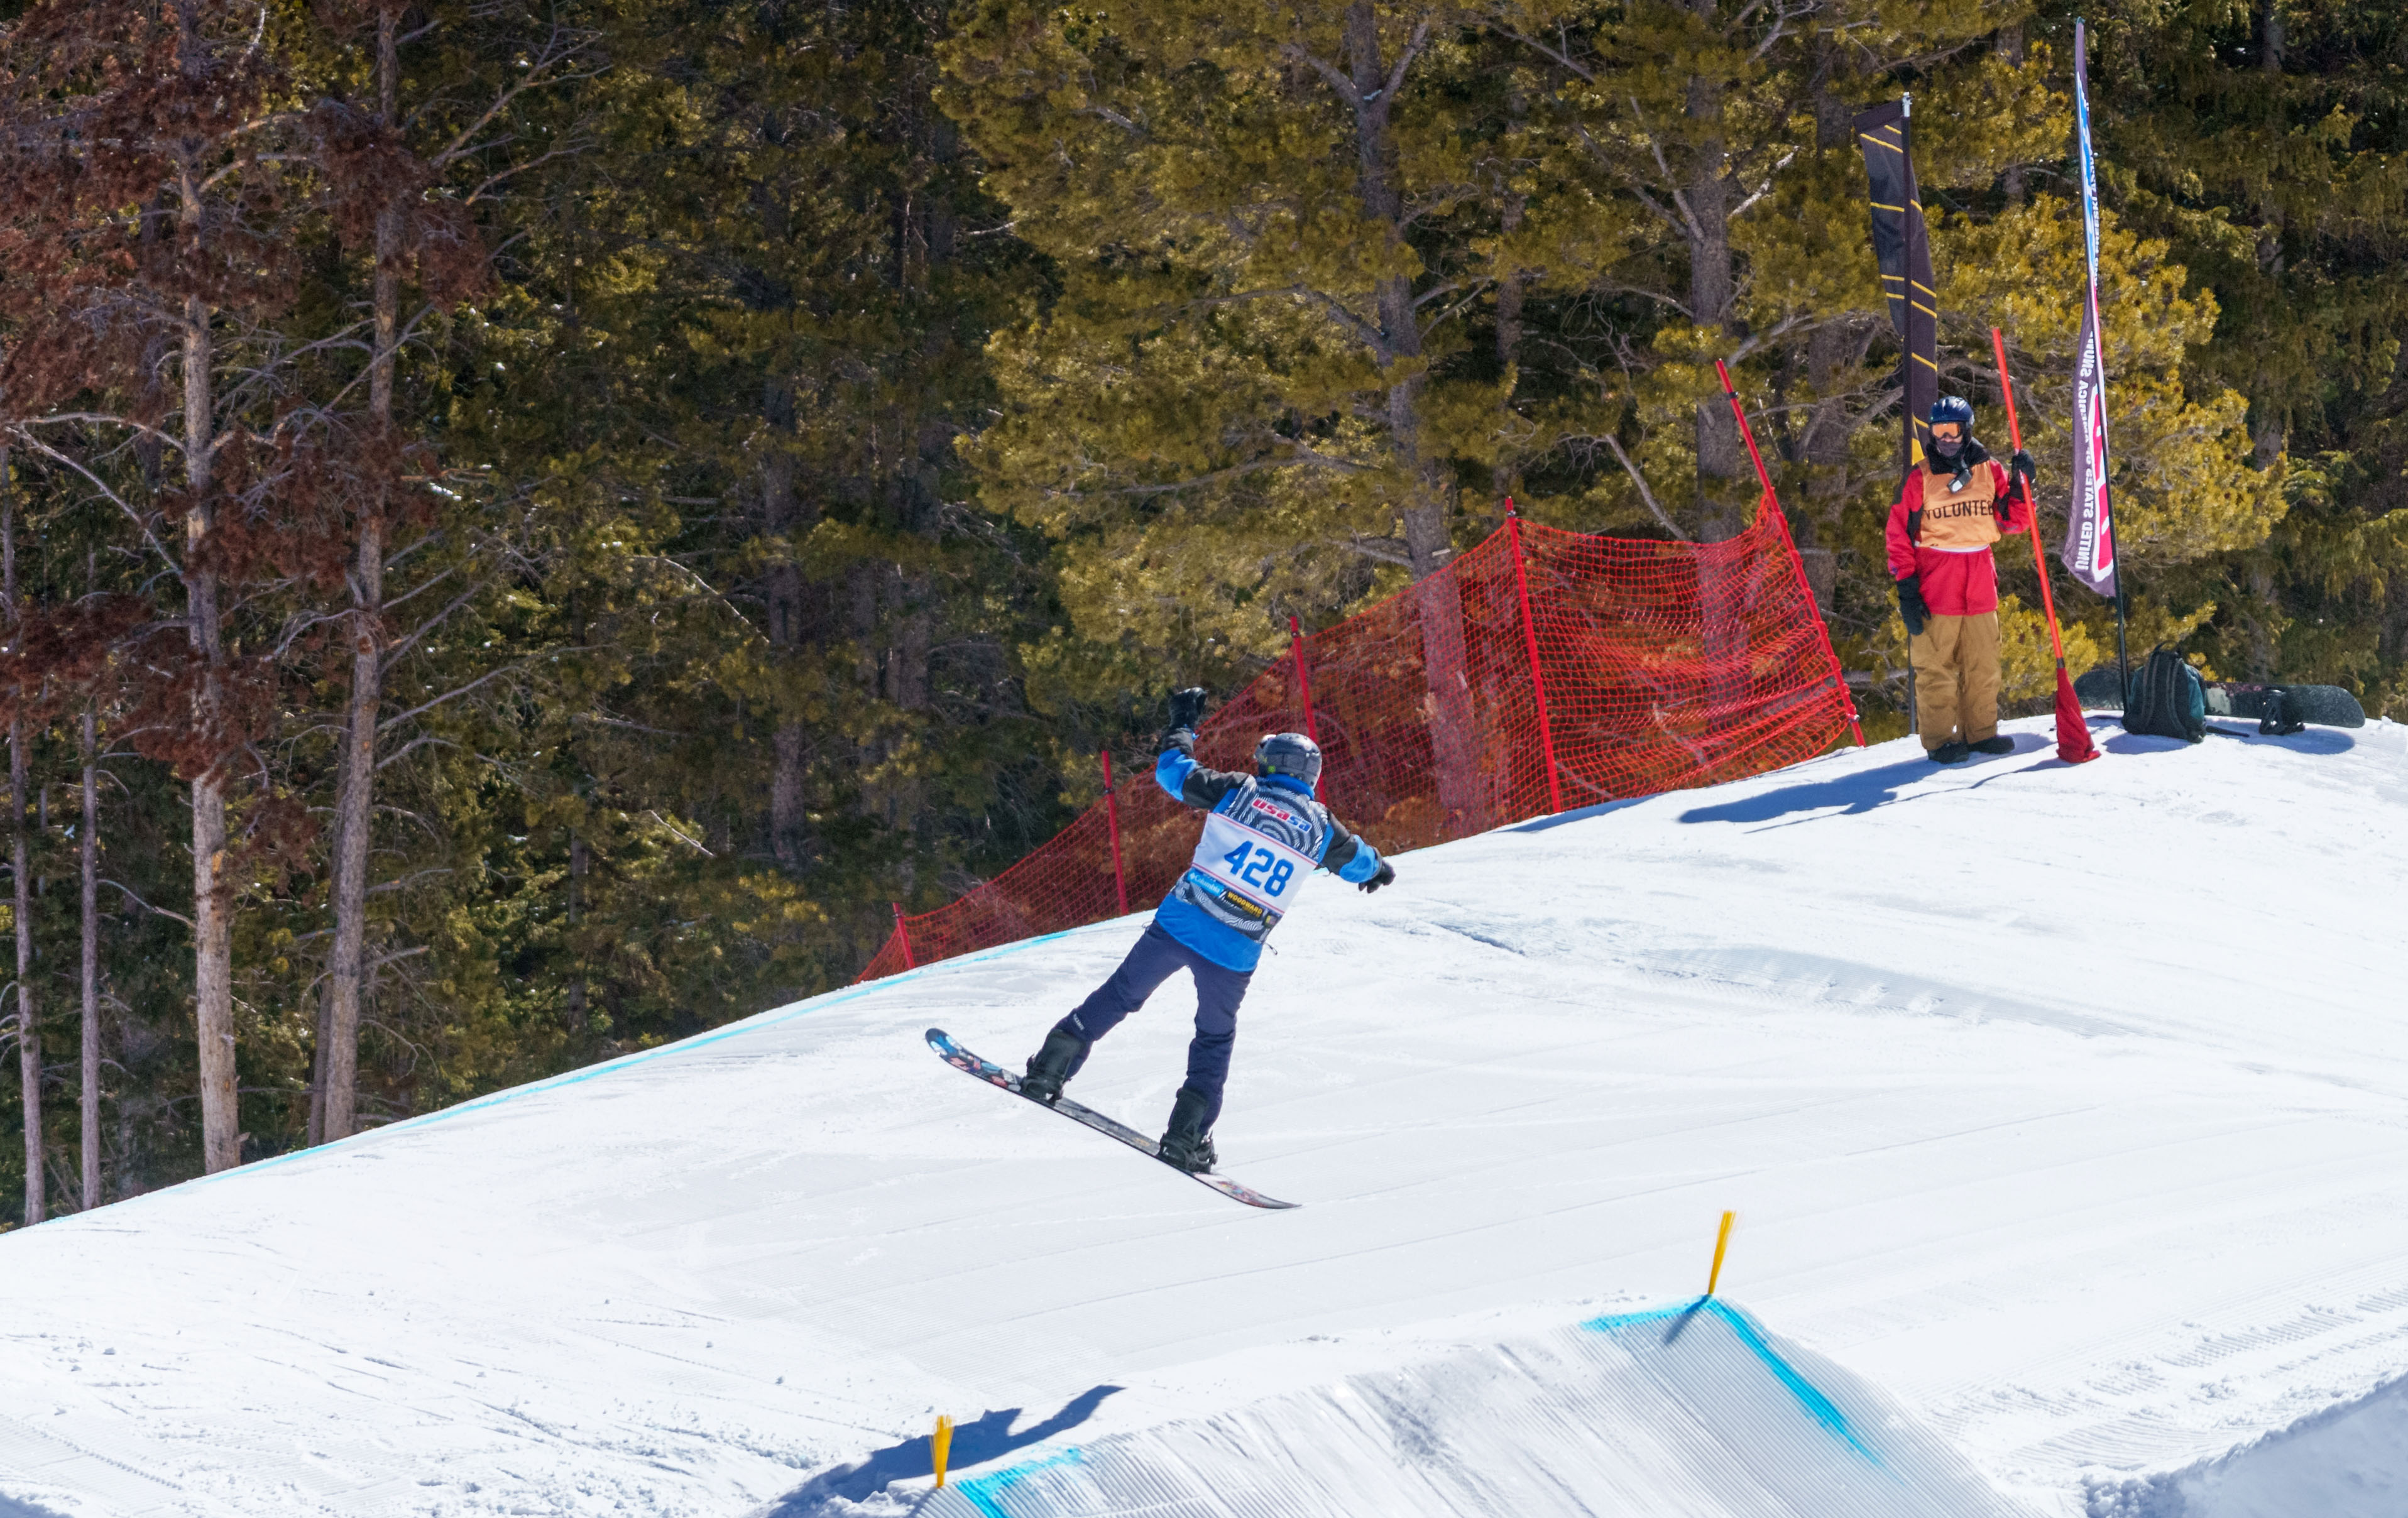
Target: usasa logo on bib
<point x="1268" y="809"/>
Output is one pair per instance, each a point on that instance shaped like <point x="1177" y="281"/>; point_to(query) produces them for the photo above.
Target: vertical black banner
<point x="1903" y="249"/>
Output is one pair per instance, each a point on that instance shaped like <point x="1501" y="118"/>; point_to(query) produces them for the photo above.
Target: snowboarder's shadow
<point x="976" y="1442"/>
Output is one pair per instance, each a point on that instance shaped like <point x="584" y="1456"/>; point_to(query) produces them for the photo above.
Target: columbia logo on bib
<point x="1253" y="859"/>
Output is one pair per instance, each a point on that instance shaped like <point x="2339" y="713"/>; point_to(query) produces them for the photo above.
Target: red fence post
<point x="1112" y="812"/>
<point x="1797" y="566"/>
<point x="1530" y="642"/>
<point x="1303" y="687"/>
<point x="902" y="933"/>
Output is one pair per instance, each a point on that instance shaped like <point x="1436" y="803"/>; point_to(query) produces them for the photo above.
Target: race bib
<point x="1252" y="868"/>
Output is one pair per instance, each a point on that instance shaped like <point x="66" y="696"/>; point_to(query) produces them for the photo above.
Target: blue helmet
<point x="1292" y="754"/>
<point x="1955" y="409"/>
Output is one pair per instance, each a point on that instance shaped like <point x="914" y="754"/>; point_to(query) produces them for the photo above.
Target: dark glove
<point x="1910" y="605"/>
<point x="1387" y="876"/>
<point x="2021" y="467"/>
<point x="1181" y="738"/>
<point x="1187" y="707"/>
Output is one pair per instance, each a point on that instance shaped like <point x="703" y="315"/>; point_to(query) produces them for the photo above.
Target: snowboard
<point x="996" y="1075"/>
<point x="2327" y="706"/>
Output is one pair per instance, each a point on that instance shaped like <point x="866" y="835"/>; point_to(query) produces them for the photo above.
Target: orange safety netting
<point x="1658" y="665"/>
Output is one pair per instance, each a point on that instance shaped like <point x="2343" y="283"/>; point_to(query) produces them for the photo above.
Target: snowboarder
<point x="1954" y="505"/>
<point x="1263" y="834"/>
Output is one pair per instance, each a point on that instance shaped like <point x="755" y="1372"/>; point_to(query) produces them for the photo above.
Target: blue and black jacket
<point x="1263" y="834"/>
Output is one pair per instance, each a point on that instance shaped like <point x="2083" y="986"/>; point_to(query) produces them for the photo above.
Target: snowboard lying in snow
<point x="2327" y="706"/>
<point x="996" y="1075"/>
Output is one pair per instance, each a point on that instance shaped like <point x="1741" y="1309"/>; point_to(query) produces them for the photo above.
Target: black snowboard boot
<point x="1051" y="1067"/>
<point x="1995" y="743"/>
<point x="1185" y="1145"/>
<point x="1951" y="752"/>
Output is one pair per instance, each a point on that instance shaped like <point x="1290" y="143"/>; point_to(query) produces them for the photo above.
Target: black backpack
<point x="2167" y="699"/>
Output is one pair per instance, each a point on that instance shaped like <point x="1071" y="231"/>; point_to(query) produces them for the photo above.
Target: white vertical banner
<point x="2089" y="550"/>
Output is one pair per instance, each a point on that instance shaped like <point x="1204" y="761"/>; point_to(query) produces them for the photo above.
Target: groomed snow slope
<point x="2066" y="1112"/>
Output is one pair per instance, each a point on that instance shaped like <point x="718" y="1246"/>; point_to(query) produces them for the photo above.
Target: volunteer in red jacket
<point x="1955" y="504"/>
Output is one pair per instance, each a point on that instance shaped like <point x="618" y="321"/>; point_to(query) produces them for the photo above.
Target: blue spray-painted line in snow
<point x="1819" y="1406"/>
<point x="755" y="1024"/>
<point x="986" y="1492"/>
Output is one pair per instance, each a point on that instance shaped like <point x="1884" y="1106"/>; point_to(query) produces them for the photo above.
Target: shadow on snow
<point x="975" y="1443"/>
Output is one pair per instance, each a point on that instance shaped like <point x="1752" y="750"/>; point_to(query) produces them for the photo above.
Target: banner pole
<point x="1906" y="397"/>
<point x="2122" y="665"/>
<point x="1771" y="502"/>
<point x="1531" y="646"/>
<point x="1113" y="813"/>
<point x="2090" y="452"/>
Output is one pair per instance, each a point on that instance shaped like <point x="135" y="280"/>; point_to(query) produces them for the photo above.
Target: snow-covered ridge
<point x="2063" y="1110"/>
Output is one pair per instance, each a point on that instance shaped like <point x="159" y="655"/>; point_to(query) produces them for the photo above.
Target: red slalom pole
<point x="1797" y="566"/>
<point x="1530" y="642"/>
<point x="2074" y="743"/>
<point x="1112" y="812"/>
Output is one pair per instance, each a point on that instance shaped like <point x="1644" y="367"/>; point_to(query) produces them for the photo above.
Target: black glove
<point x="1187" y="707"/>
<point x="2021" y="467"/>
<point x="1387" y="876"/>
<point x="1910" y="605"/>
<point x="1181" y="738"/>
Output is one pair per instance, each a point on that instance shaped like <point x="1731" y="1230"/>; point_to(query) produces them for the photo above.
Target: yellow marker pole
<point x="1722" y="1242"/>
<point x="941" y="1444"/>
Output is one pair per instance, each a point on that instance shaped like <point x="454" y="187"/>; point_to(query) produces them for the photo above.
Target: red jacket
<point x="1950" y="556"/>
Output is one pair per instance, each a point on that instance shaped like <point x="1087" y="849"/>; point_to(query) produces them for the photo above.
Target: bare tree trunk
<point x="1426" y="511"/>
<point x="356" y="800"/>
<point x="91" y="850"/>
<point x="212" y="918"/>
<point x="1725" y="481"/>
<point x="789" y="626"/>
<point x="29" y="1040"/>
<point x="1712" y="281"/>
<point x="580" y="860"/>
<point x="2011" y="48"/>
<point x="29" y="1036"/>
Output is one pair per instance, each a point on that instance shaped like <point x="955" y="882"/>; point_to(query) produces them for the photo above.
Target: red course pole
<point x="2074" y="743"/>
<point x="1304" y="688"/>
<point x="1530" y="644"/>
<point x="1797" y="566"/>
<point x="903" y="933"/>
<point x="1112" y="810"/>
<point x="2016" y="434"/>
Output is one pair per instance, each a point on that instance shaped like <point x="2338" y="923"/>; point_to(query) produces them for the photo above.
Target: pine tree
<point x="2263" y="144"/>
<point x="149" y="219"/>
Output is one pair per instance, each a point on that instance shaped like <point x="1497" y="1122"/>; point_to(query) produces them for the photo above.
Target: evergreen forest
<point x="528" y="524"/>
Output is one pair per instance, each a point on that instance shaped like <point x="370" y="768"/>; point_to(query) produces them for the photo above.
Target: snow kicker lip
<point x="1750" y="1336"/>
<point x="1681" y="1411"/>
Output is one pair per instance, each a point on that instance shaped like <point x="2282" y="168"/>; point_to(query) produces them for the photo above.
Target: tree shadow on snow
<point x="974" y="1443"/>
<point x="1858" y="792"/>
<point x="2324" y="741"/>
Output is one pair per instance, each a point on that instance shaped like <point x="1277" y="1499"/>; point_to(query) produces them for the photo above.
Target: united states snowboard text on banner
<point x="2091" y="526"/>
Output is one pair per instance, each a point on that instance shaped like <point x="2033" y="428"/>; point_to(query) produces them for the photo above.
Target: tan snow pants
<point x="1956" y="680"/>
